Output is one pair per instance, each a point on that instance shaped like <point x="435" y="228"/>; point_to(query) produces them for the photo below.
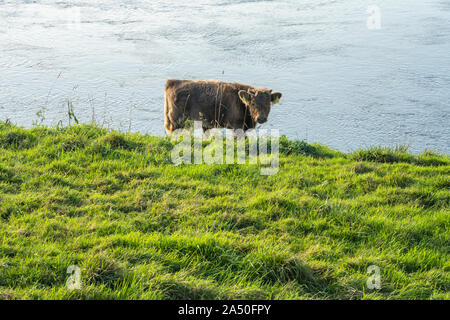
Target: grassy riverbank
<point x="140" y="228"/>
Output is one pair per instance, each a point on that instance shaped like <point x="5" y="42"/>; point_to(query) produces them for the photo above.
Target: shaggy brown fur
<point x="217" y="104"/>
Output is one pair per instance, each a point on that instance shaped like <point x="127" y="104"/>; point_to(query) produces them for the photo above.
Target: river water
<point x="346" y="83"/>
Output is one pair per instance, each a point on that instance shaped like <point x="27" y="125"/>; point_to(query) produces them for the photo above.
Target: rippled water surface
<point x="343" y="84"/>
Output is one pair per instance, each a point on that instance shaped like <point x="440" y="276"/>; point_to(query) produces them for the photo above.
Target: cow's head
<point x="258" y="101"/>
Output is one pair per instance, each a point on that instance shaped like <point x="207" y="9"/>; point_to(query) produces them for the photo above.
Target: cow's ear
<point x="244" y="96"/>
<point x="275" y="97"/>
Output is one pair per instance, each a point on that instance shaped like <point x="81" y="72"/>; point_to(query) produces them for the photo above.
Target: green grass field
<point x="140" y="228"/>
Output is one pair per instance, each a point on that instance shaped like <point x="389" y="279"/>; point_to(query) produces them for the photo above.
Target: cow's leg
<point x="176" y="110"/>
<point x="168" y="124"/>
<point x="170" y="116"/>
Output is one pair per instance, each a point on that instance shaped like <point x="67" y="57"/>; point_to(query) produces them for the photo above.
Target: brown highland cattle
<point x="217" y="104"/>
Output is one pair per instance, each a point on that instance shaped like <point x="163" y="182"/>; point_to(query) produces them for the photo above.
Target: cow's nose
<point x="262" y="119"/>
